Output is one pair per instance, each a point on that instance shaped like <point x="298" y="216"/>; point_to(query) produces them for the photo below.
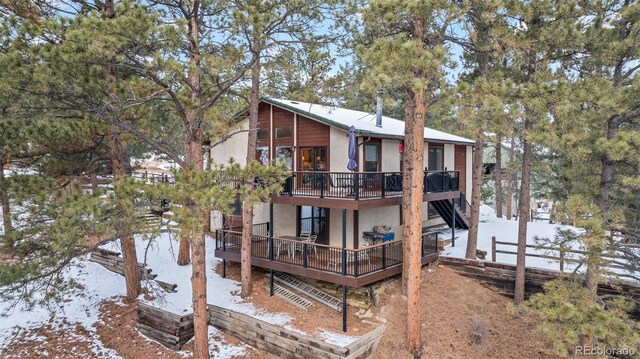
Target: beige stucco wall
<point x="387" y="216"/>
<point x="426" y="155"/>
<point x="390" y="155"/>
<point x="335" y="228"/>
<point x="338" y="156"/>
<point x="234" y="147"/>
<point x="449" y="157"/>
<point x="284" y="220"/>
<point x="469" y="173"/>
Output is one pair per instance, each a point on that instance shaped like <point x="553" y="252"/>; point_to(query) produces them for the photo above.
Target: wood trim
<point x="271" y="136"/>
<point x="317" y="274"/>
<point x="359" y="204"/>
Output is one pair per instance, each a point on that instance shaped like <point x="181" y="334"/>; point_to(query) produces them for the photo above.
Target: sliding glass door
<point x="313" y="220"/>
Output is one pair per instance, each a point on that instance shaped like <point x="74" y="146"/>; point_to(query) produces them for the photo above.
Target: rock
<point x="364" y="313"/>
<point x="381" y="319"/>
<point x="481" y="254"/>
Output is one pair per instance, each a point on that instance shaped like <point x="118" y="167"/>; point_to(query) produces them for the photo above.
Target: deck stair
<point x="445" y="209"/>
<point x="310" y="291"/>
<point x="151" y="220"/>
<point x="291" y="297"/>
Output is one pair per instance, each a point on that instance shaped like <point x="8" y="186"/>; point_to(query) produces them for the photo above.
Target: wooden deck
<point x="351" y="267"/>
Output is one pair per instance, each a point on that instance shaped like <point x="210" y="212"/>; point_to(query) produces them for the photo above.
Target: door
<point x="314" y="221"/>
<point x="312" y="159"/>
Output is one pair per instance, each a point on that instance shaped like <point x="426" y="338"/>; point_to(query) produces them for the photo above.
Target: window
<point x="262" y="155"/>
<point x="371" y="158"/>
<point x="263" y="134"/>
<point x="282" y="132"/>
<point x="285" y="154"/>
<point x="436" y="158"/>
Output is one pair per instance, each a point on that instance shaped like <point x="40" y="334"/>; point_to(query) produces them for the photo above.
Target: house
<point x="340" y="208"/>
<point x="489" y="165"/>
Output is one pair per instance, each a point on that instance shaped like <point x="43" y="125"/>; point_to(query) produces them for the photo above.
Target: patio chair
<point x="309" y="240"/>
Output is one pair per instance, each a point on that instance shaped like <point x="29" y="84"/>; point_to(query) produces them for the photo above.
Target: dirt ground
<point x="451" y="305"/>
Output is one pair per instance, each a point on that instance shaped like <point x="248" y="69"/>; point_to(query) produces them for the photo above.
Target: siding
<point x="461" y="165"/>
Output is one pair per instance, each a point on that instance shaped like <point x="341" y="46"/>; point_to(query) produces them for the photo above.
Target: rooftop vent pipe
<point x="379" y="109"/>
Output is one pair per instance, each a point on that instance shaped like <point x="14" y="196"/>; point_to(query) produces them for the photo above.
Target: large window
<point x="262" y="155"/>
<point x="313" y="158"/>
<point x="371" y="158"/>
<point x="436" y="159"/>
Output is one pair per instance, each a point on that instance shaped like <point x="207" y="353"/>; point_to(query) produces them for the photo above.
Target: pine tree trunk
<point x="412" y="196"/>
<point x="6" y="206"/>
<point x="476" y="190"/>
<point x="127" y="243"/>
<point x="412" y="215"/>
<point x="523" y="216"/>
<point x="193" y="160"/>
<point x="199" y="295"/>
<point x="247" y="209"/>
<point x="498" y="184"/>
<point x="510" y="184"/>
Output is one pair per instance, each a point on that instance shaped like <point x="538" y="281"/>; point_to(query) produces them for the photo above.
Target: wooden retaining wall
<point x="285" y="343"/>
<point x="170" y="330"/>
<point x="173" y="331"/>
<point x="501" y="277"/>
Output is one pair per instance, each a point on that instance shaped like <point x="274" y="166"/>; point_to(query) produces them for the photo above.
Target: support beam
<point x="453" y="222"/>
<point x="344" y="308"/>
<point x="271" y="282"/>
<point x="224" y="268"/>
<point x="344" y="242"/>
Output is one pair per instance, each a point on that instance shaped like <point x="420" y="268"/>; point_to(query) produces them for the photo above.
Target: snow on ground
<point x="80" y="305"/>
<point x="507" y="231"/>
<point x="96" y="284"/>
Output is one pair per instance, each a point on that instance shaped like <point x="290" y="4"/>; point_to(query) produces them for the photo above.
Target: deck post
<point x="271" y="235"/>
<point x="493" y="248"/>
<point x="224" y="268"/>
<point x="271" y="282"/>
<point x="382" y="185"/>
<point x="437" y="250"/>
<point x="322" y="183"/>
<point x="453" y="223"/>
<point x="344" y="308"/>
<point x="357" y="186"/>
<point x="344" y="242"/>
<point x="384" y="256"/>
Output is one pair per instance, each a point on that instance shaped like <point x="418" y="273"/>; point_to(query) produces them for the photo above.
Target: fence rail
<point x="344" y="261"/>
<point x="565" y="255"/>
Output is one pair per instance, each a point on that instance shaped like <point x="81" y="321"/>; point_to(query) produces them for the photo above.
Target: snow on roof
<point x="364" y="123"/>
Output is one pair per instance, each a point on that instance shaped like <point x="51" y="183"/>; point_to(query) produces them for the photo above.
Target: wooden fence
<point x="569" y="255"/>
<point x="173" y="331"/>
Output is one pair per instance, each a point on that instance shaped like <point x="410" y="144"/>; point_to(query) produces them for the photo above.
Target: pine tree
<point x="407" y="53"/>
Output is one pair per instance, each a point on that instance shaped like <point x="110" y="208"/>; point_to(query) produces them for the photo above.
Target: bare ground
<point x="451" y="305"/>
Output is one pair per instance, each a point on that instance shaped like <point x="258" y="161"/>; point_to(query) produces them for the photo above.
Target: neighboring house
<point x="323" y="199"/>
<point x="489" y="163"/>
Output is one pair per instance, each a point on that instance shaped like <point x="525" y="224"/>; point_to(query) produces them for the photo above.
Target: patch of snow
<point x="222" y="350"/>
<point x="336" y="338"/>
<point x="80" y="305"/>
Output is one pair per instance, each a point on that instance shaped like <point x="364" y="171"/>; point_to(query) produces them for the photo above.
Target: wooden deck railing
<point x="346" y="262"/>
<point x="363" y="185"/>
<point x="617" y="264"/>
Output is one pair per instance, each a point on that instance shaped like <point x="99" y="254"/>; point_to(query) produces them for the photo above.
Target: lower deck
<point x="352" y="268"/>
